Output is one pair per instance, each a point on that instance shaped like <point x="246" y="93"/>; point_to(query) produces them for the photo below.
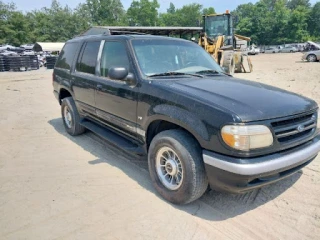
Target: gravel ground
<point x="53" y="186"/>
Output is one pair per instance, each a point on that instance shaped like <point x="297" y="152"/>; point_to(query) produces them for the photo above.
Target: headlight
<point x="247" y="137"/>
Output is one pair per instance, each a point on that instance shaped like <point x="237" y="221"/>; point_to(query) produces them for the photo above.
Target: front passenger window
<point x="114" y="54"/>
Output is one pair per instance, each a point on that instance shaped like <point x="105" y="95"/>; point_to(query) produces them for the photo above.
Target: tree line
<point x="279" y="21"/>
<point x="266" y="22"/>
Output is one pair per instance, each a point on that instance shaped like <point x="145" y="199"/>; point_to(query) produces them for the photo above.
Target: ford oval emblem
<point x="300" y="128"/>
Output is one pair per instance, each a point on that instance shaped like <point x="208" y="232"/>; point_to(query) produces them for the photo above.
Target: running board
<point x="113" y="138"/>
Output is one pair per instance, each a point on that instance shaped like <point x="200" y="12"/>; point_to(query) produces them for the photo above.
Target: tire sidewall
<point x="67" y="103"/>
<point x="186" y="189"/>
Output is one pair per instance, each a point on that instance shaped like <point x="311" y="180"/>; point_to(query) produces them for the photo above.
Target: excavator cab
<point x="218" y="39"/>
<point x="216" y="25"/>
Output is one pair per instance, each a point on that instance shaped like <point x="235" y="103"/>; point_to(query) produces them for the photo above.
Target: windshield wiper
<point x="175" y="74"/>
<point x="211" y="72"/>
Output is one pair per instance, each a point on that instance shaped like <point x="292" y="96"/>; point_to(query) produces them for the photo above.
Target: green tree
<point x="314" y="21"/>
<point x="171" y="9"/>
<point x="13" y="25"/>
<point x="56" y="23"/>
<point x="17" y="33"/>
<point x="208" y="11"/>
<point x="298" y="24"/>
<point x="189" y="15"/>
<point x="170" y="18"/>
<point x="293" y="4"/>
<point x="273" y="22"/>
<point x="279" y="18"/>
<point x="105" y="12"/>
<point x="5" y="13"/>
<point x="143" y="13"/>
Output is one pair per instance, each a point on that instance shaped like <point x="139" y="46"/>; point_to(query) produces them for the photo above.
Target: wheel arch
<point x="63" y="93"/>
<point x="172" y="117"/>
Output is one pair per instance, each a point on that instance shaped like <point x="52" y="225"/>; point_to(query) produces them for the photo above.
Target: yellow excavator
<point x="218" y="39"/>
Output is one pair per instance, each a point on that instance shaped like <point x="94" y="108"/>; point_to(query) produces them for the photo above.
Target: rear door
<point x="84" y="79"/>
<point x="63" y="66"/>
<point x="116" y="101"/>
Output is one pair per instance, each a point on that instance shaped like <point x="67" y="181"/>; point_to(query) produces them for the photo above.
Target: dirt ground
<point x="53" y="186"/>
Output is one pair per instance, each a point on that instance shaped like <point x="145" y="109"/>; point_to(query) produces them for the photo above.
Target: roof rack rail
<point x="134" y="30"/>
<point x="120" y="32"/>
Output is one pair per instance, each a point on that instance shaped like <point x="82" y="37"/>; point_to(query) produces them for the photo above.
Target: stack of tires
<point x="51" y="61"/>
<point x="14" y="63"/>
<point x="34" y="62"/>
<point x="3" y="64"/>
<point x="24" y="63"/>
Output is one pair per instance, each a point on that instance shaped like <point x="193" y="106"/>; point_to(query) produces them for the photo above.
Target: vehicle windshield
<point x="165" y="56"/>
<point x="217" y="26"/>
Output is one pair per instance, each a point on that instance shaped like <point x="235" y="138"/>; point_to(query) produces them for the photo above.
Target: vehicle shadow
<point x="213" y="206"/>
<point x="302" y="61"/>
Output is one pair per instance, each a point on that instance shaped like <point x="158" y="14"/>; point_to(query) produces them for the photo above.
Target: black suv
<point x="168" y="99"/>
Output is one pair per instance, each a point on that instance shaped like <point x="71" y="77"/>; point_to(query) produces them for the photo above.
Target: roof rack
<point x="164" y="31"/>
<point x="118" y="32"/>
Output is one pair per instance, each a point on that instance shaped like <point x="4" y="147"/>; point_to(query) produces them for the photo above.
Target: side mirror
<point x="118" y="73"/>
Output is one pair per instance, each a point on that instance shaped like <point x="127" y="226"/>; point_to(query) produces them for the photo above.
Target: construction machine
<point x="218" y="39"/>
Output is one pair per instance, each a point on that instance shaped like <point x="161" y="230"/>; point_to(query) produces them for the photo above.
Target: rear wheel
<point x="311" y="58"/>
<point x="71" y="117"/>
<point x="176" y="167"/>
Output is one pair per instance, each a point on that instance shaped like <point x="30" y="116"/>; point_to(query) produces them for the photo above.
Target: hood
<point x="251" y="101"/>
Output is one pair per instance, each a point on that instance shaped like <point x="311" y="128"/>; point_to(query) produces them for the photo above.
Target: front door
<point x="116" y="101"/>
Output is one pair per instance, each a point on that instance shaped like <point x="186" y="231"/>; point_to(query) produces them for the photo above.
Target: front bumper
<point x="242" y="175"/>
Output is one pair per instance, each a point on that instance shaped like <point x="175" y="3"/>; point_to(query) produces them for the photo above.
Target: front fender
<point x="180" y="117"/>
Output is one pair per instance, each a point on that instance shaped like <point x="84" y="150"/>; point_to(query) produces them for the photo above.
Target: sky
<point x="219" y="5"/>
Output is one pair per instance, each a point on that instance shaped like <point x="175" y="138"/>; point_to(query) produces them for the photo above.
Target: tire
<point x="228" y="62"/>
<point x="311" y="58"/>
<point x="71" y="117"/>
<point x="190" y="181"/>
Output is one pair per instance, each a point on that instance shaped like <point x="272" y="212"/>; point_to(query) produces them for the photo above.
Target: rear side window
<point x="67" y="55"/>
<point x="88" y="58"/>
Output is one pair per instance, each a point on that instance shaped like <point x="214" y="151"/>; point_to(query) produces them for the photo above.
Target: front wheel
<point x="176" y="167"/>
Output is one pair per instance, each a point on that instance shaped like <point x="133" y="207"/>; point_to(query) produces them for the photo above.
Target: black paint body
<point x="202" y="106"/>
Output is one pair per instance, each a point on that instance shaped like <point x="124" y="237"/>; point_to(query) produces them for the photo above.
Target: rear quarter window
<point x="67" y="55"/>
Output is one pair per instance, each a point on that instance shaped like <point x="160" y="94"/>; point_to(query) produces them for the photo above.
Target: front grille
<point x="295" y="129"/>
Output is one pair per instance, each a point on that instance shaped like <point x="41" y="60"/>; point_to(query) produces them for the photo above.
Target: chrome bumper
<point x="274" y="163"/>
